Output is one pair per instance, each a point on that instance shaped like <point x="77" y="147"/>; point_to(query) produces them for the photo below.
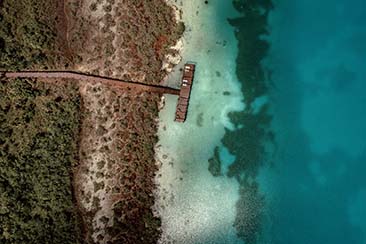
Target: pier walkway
<point x="123" y="84"/>
<point x="184" y="92"/>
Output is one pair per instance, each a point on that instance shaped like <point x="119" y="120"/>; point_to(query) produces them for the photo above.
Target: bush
<point x="38" y="135"/>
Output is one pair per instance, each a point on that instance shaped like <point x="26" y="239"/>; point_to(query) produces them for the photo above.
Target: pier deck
<point x="185" y="92"/>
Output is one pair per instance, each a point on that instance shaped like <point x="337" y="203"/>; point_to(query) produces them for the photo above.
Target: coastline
<point x="89" y="162"/>
<point x="114" y="170"/>
<point x="194" y="206"/>
<point x="171" y="60"/>
<point x="119" y="131"/>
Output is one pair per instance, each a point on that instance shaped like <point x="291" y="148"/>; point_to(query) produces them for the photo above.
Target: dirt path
<point x="122" y="84"/>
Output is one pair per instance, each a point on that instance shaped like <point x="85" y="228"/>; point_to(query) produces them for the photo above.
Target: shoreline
<point x="172" y="60"/>
<point x="115" y="169"/>
<point x="136" y="142"/>
<point x="189" y="200"/>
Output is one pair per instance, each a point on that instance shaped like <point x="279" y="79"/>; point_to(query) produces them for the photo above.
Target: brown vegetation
<point x="129" y="40"/>
<point x="114" y="182"/>
<point x="123" y="39"/>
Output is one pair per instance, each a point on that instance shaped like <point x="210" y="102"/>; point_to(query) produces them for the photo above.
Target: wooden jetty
<point x="122" y="84"/>
<point x="185" y="92"/>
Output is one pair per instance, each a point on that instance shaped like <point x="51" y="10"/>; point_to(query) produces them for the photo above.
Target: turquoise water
<point x="317" y="55"/>
<point x="273" y="150"/>
<point x="195" y="206"/>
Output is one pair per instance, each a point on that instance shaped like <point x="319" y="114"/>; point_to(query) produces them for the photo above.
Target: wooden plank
<point x="185" y="92"/>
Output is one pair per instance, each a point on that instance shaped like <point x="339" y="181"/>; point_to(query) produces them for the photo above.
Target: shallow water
<point x="195" y="206"/>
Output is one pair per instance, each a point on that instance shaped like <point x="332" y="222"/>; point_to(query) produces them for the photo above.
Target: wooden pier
<point x="185" y="92"/>
<point x="121" y="84"/>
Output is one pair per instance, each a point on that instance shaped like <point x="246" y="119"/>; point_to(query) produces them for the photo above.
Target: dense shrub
<point x="38" y="139"/>
<point x="28" y="34"/>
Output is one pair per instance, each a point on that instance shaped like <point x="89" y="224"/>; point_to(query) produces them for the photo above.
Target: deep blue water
<point x="317" y="55"/>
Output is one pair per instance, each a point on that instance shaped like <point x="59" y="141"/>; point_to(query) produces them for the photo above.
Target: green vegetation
<point x="133" y="220"/>
<point x="39" y="124"/>
<point x="131" y="230"/>
<point x="27" y="34"/>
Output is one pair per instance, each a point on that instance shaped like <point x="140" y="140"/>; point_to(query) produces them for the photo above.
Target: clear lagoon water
<point x="195" y="206"/>
<point x="318" y="51"/>
<point x="274" y="147"/>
